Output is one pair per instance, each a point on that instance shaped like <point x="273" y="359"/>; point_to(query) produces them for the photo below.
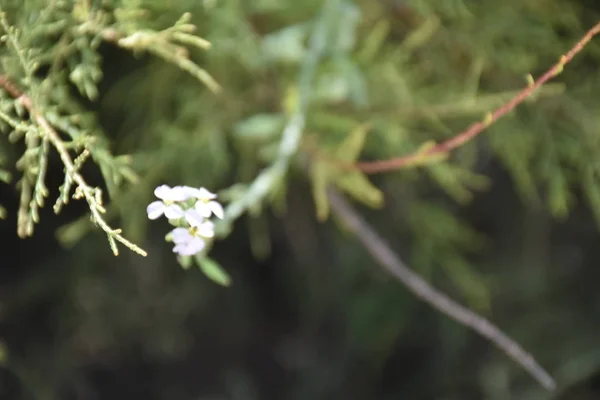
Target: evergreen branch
<point x="91" y="194"/>
<point x="386" y="257"/>
<point x="478" y="127"/>
<point x="161" y="44"/>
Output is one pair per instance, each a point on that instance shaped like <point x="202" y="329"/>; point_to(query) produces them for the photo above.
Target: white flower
<point x="194" y="206"/>
<point x="200" y="194"/>
<point x="174" y="194"/>
<point x="158" y="208"/>
<point x="187" y="243"/>
<point x="196" y="220"/>
<point x="211" y="207"/>
<point x="167" y="206"/>
<point x="206" y="205"/>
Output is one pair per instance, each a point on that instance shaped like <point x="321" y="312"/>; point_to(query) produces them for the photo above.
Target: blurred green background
<point x="508" y="226"/>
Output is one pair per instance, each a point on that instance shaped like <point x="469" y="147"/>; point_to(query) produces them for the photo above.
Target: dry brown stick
<point x="388" y="259"/>
<point x="478" y="127"/>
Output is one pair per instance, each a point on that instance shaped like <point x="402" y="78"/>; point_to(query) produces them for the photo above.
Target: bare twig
<point x="380" y="251"/>
<point x="478" y="127"/>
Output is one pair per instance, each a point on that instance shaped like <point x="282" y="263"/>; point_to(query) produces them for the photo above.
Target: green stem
<point x="268" y="178"/>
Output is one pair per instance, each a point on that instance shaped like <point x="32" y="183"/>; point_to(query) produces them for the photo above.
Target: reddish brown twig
<point x="478" y="127"/>
<point x="9" y="87"/>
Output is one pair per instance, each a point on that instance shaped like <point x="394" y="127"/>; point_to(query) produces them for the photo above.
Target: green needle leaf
<point x="213" y="271"/>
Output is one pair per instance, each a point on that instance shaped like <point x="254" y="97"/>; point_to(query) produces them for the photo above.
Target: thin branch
<point x="86" y="191"/>
<point x="381" y="252"/>
<point x="478" y="127"/>
<point x="290" y="142"/>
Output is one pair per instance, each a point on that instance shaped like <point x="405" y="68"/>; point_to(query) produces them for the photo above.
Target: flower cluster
<point x="189" y="210"/>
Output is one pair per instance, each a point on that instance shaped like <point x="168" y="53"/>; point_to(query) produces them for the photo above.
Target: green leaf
<point x="355" y="183"/>
<point x="357" y="83"/>
<point x="360" y="188"/>
<point x="260" y="127"/>
<point x="185" y="262"/>
<point x="458" y="182"/>
<point x="516" y="149"/>
<point x="374" y="41"/>
<point x="286" y="45"/>
<point x="332" y="88"/>
<point x="420" y="36"/>
<point x="559" y="196"/>
<point x="591" y="190"/>
<point x="320" y="173"/>
<point x="330" y="122"/>
<point x="5" y="176"/>
<point x="348" y="17"/>
<point x="466" y="278"/>
<point x="213" y="270"/>
<point x="352" y="146"/>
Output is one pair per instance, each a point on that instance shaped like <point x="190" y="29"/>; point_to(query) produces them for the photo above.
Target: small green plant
<point x="58" y="47"/>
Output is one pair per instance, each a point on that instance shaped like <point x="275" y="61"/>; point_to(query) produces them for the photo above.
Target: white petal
<point x="189" y="248"/>
<point x="181" y="235"/>
<point x="203" y="209"/>
<point x="205" y="194"/>
<point x="192" y="192"/>
<point x="216" y="209"/>
<point x="182" y="250"/>
<point x="197" y="244"/>
<point x="155" y="209"/>
<point x="194" y="218"/>
<point x="173" y="211"/>
<point x="178" y="193"/>
<point x="162" y="192"/>
<point x="207" y="229"/>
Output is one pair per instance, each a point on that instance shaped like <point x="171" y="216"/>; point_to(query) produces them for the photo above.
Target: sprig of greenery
<point x="271" y="177"/>
<point x="28" y="213"/>
<point x="489" y="118"/>
<point x="166" y="44"/>
<point x="39" y="136"/>
<point x="80" y="27"/>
